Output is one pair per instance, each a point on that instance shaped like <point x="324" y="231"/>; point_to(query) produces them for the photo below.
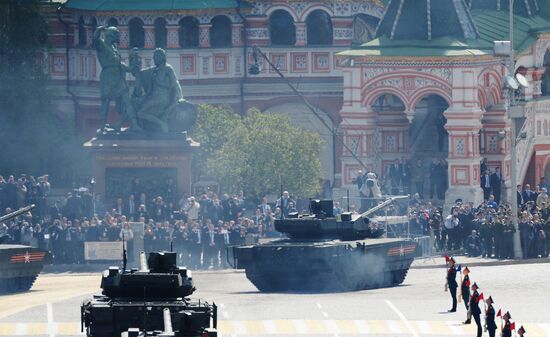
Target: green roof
<point x="492" y="26"/>
<point x="148" y="5"/>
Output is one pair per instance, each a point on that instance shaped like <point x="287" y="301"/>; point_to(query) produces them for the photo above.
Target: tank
<point x="325" y="253"/>
<point x="149" y="301"/>
<point x="19" y="264"/>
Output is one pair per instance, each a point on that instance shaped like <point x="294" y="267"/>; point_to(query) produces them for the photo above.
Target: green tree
<point x="34" y="139"/>
<point x="212" y="129"/>
<point x="265" y="150"/>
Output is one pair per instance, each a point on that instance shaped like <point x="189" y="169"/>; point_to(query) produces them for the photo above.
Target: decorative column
<point x="342" y="31"/>
<point x="204" y="35"/>
<point x="172" y="36"/>
<point x="301" y="34"/>
<point x="237" y="34"/>
<point x="257" y="32"/>
<point x="464" y="158"/>
<point x="149" y="37"/>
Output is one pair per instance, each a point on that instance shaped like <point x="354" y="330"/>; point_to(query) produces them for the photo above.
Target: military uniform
<point x="465" y="289"/>
<point x="451" y="283"/>
<point x="490" y="324"/>
<point x="476" y="312"/>
<point x="506" y="330"/>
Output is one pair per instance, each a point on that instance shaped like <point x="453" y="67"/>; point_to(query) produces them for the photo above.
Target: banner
<point x="103" y="251"/>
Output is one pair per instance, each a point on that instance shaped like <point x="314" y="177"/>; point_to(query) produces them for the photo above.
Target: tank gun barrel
<point x="378" y="207"/>
<point x="16" y="213"/>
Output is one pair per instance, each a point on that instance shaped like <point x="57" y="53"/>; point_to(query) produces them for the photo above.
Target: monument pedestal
<point x="119" y="158"/>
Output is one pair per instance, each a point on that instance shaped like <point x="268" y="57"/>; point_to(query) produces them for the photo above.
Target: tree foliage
<point x="34" y="139"/>
<point x="212" y="129"/>
<point x="264" y="150"/>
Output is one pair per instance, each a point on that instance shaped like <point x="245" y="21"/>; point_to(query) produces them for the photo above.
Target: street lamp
<point x="512" y="86"/>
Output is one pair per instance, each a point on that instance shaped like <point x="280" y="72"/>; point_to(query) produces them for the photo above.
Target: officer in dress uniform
<point x="490" y="324"/>
<point x="474" y="308"/>
<point x="465" y="290"/>
<point x="451" y="282"/>
<point x="506" y="329"/>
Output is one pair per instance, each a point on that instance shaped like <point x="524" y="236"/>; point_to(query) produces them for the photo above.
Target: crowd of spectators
<point x="197" y="227"/>
<point x="486" y="229"/>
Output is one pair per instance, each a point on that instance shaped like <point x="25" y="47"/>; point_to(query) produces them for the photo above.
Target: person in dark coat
<point x="486" y="185"/>
<point x="465" y="290"/>
<point x="474" y="308"/>
<point x="451" y="282"/>
<point x="496" y="184"/>
<point x="490" y="324"/>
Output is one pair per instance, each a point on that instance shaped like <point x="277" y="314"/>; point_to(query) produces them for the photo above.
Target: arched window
<point x="364" y="27"/>
<point x="81" y="32"/>
<point x="220" y="32"/>
<point x="160" y="33"/>
<point x="189" y="32"/>
<point x="137" y="33"/>
<point x="112" y="22"/>
<point x="281" y="28"/>
<point x="319" y="28"/>
<point x="545" y="80"/>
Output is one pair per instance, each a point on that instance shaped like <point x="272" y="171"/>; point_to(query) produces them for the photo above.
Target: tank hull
<point x="326" y="266"/>
<point x="20" y="266"/>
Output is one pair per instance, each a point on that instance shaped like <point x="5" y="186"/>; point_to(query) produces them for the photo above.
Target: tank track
<point x="269" y="282"/>
<point x="16" y="284"/>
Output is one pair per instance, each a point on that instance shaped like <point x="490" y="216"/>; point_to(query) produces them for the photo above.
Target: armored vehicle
<point x="19" y="264"/>
<point x="324" y="252"/>
<point x="149" y="301"/>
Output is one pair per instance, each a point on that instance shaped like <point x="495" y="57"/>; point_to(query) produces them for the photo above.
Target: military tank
<point x="149" y="301"/>
<point x="326" y="253"/>
<point x="19" y="264"/>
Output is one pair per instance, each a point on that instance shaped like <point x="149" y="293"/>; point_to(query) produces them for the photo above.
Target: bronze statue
<point x="113" y="77"/>
<point x="158" y="98"/>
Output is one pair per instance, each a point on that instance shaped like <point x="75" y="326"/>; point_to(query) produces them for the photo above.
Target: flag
<point x="458" y="268"/>
<point x="447" y="258"/>
<point x="513" y="326"/>
<point x="499" y="313"/>
<point x="480" y="297"/>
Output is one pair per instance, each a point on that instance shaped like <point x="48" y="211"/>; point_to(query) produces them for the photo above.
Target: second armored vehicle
<point x="327" y="253"/>
<point x="141" y="302"/>
<point x="19" y="264"/>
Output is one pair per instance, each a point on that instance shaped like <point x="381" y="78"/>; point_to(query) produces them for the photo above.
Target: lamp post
<point x="511" y="87"/>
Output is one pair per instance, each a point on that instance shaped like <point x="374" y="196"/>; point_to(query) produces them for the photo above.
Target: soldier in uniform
<point x="521" y="331"/>
<point x="490" y="324"/>
<point x="451" y="282"/>
<point x="474" y="308"/>
<point x="465" y="290"/>
<point x="506" y="329"/>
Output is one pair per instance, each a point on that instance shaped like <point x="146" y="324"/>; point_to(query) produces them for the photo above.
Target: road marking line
<point x="49" y="314"/>
<point x="324" y="314"/>
<point x="299" y="326"/>
<point x="362" y="327"/>
<point x="394" y="327"/>
<point x="269" y="327"/>
<point x="331" y="327"/>
<point x="319" y="306"/>
<point x="285" y="327"/>
<point x="403" y="318"/>
<point x="21" y="329"/>
<point x="424" y="327"/>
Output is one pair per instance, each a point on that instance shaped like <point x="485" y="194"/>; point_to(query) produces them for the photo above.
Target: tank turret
<point x="321" y="223"/>
<point x="149" y="301"/>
